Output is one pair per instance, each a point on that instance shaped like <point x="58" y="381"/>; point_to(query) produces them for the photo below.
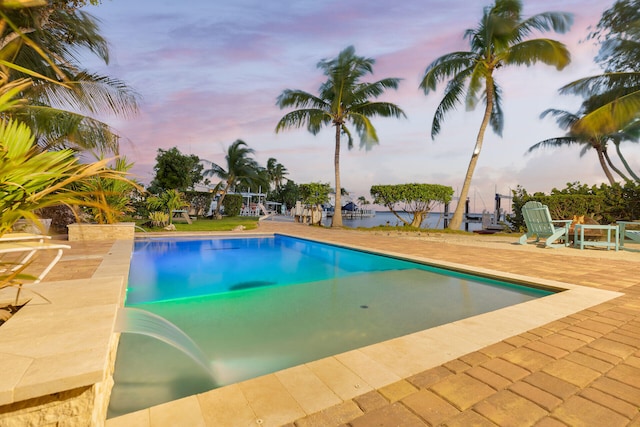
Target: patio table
<point x="612" y="236"/>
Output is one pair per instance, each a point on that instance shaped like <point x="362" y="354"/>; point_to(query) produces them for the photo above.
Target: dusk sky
<point x="210" y="72"/>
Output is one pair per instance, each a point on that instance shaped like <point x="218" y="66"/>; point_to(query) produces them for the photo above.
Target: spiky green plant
<point x="32" y="180"/>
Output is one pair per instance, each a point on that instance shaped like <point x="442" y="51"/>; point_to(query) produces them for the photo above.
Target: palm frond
<point x="56" y="129"/>
<point x="497" y="115"/>
<point x="90" y="93"/>
<point x="299" y="99"/>
<point x="366" y="131"/>
<point x="381" y="109"/>
<point x="611" y="117"/>
<point x="564" y="119"/>
<point x="588" y="86"/>
<point x="445" y="67"/>
<point x="452" y="97"/>
<point x="547" y="51"/>
<point x="311" y="118"/>
<point x="560" y="22"/>
<point x="556" y="142"/>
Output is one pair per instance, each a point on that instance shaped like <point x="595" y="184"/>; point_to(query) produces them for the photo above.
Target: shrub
<point x="605" y="204"/>
<point x="232" y="204"/>
<point x="159" y="219"/>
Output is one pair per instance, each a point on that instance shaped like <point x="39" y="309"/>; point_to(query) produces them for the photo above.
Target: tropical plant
<point x="343" y="99"/>
<point x="42" y="47"/>
<point x="115" y="193"/>
<point x="168" y="202"/>
<point x="414" y="199"/>
<point x="499" y="40"/>
<point x="32" y="180"/>
<point x="159" y="218"/>
<point x="240" y="169"/>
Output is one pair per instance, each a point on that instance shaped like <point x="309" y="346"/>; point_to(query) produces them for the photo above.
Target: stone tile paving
<point x="582" y="370"/>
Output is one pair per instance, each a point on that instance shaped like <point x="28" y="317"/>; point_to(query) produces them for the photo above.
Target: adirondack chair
<point x="539" y="224"/>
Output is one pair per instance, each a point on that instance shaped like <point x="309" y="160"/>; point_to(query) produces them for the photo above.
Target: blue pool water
<point x="170" y="269"/>
<point x="258" y="305"/>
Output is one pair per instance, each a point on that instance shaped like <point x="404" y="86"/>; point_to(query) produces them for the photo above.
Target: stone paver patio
<point x="582" y="369"/>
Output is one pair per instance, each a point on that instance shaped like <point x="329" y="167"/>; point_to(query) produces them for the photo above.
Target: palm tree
<point x="499" y="40"/>
<point x="614" y="101"/>
<point x="613" y="98"/>
<point x="598" y="142"/>
<point x="239" y="169"/>
<point x="342" y="99"/>
<point x="43" y="46"/>
<point x="566" y="120"/>
<point x="276" y="172"/>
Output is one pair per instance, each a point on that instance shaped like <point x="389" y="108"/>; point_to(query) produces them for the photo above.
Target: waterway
<point x="435" y="220"/>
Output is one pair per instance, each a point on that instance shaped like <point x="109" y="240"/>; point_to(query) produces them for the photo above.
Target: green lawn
<point x="224" y="224"/>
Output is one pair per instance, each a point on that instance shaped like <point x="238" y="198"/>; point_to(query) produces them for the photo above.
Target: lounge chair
<point x="20" y="236"/>
<point x="539" y="224"/>
<point x="26" y="249"/>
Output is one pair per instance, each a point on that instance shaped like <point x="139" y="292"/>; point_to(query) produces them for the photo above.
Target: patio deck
<point x="582" y="368"/>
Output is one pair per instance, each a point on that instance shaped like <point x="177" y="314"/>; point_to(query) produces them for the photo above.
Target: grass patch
<point x="203" y="224"/>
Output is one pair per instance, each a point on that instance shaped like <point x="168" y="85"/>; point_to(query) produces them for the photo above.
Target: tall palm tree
<point x="240" y="169"/>
<point x="45" y="45"/>
<point x="343" y="99"/>
<point x="499" y="40"/>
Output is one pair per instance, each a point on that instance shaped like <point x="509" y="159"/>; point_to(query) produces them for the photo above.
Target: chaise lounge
<point x="26" y="245"/>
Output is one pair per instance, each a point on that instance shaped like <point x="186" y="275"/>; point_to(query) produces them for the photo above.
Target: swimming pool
<point x="262" y="304"/>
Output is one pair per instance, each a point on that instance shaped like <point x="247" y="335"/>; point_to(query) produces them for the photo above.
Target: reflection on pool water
<point x="258" y="305"/>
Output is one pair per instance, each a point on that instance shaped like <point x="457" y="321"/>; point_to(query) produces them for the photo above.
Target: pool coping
<point x="58" y="351"/>
<point x="293" y="393"/>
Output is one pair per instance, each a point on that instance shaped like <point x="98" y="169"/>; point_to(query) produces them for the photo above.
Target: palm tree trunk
<point x="626" y="165"/>
<point x="456" y="220"/>
<point x="336" y="221"/>
<point x="603" y="164"/>
<point x="217" y="213"/>
<point x="612" y="166"/>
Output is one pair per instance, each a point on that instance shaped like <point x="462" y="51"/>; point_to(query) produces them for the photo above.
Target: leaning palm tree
<point x="615" y="101"/>
<point x="239" y="169"/>
<point x="499" y="40"/>
<point x="614" y="96"/>
<point x="596" y="141"/>
<point x="343" y="99"/>
<point x="44" y="45"/>
<point x="565" y="120"/>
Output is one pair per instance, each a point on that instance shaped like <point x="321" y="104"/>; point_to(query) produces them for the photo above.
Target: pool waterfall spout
<point x="137" y="321"/>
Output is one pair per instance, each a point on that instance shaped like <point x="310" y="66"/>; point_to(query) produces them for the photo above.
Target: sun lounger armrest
<point x="565" y="222"/>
